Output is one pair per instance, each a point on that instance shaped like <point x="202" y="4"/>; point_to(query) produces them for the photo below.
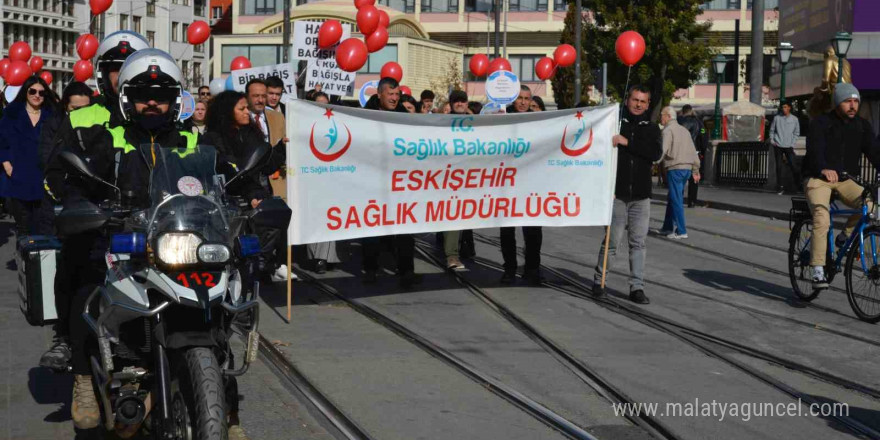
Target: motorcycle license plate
<point x="196" y="278"/>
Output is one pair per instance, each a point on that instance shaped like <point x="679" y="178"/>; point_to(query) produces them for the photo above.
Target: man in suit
<point x="274" y="129"/>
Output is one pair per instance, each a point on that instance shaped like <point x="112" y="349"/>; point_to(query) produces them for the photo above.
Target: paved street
<point x="722" y="326"/>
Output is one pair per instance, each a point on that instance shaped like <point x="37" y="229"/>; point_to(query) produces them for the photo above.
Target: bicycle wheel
<point x="799" y="260"/>
<point x="863" y="276"/>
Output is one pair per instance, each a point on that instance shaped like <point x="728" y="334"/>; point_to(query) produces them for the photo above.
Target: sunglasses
<point x="33" y="92"/>
<point x="204" y="93"/>
<point x="147" y="94"/>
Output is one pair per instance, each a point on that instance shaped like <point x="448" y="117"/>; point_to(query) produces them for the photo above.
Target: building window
<point x="707" y="76"/>
<point x="524" y="66"/>
<point x="528" y="5"/>
<point x="184" y="67"/>
<point x="217" y="12"/>
<point x="123" y="21"/>
<point x="151" y="9"/>
<point x="440" y="6"/>
<point x="136" y="24"/>
<point x="259" y="55"/>
<point x="197" y="74"/>
<point x="183" y="28"/>
<point x="258" y="7"/>
<point x="175" y="27"/>
<point x="407" y="6"/>
<point x="560" y="5"/>
<point x="477" y="5"/>
<point x="151" y="38"/>
<point x="378" y="59"/>
<point x="199" y="8"/>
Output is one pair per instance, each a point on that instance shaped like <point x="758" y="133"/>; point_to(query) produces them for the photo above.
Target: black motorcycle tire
<point x="201" y="384"/>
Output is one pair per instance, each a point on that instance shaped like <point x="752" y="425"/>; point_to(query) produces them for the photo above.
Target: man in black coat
<point x="388" y="99"/>
<point x="694" y="125"/>
<point x="639" y="145"/>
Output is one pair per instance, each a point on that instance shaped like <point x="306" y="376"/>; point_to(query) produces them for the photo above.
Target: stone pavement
<point x="754" y="201"/>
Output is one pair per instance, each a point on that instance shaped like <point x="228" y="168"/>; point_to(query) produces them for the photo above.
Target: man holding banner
<point x="403" y="244"/>
<point x="639" y="145"/>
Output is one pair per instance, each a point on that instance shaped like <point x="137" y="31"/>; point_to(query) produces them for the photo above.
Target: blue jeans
<point x="676" y="179"/>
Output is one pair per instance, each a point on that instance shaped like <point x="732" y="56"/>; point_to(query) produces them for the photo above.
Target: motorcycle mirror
<point x="254" y="159"/>
<point x="83" y="167"/>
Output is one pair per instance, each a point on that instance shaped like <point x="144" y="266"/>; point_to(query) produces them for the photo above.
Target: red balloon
<point x="545" y="68"/>
<point x="329" y="33"/>
<point x="86" y="46"/>
<point x="351" y="54"/>
<point x="17" y="73"/>
<point x="384" y="20"/>
<point x="564" y="55"/>
<point x="198" y="32"/>
<point x="391" y="70"/>
<point x="46" y="76"/>
<point x="361" y="3"/>
<point x="404" y="90"/>
<point x="630" y="47"/>
<point x="240" y="62"/>
<point x="19" y="51"/>
<point x="82" y="70"/>
<point x="99" y="6"/>
<point x="36" y="63"/>
<point x="499" y="64"/>
<point x="377" y="40"/>
<point x="4" y="64"/>
<point x="368" y="19"/>
<point x="479" y="64"/>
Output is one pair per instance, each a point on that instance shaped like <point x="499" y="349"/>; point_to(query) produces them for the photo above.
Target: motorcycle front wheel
<point x="198" y="404"/>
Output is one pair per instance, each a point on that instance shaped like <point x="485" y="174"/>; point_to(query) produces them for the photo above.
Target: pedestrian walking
<point x="681" y="163"/>
<point x="784" y="132"/>
<point x="694" y="125"/>
<point x="22" y="180"/>
<point x="639" y="146"/>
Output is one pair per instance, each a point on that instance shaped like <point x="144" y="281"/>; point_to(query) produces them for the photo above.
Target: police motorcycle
<point x="178" y="277"/>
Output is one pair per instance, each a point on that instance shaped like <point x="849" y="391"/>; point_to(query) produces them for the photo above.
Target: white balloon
<point x="11" y="92"/>
<point x="217" y="86"/>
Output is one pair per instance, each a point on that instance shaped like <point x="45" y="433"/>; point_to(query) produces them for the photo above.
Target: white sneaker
<point x="281" y="274"/>
<point x="675" y="236"/>
<point x="819" y="280"/>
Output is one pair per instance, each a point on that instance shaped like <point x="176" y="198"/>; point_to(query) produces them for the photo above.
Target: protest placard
<point x="359" y="173"/>
<point x="305" y="41"/>
<point x="333" y="80"/>
<point x="286" y="72"/>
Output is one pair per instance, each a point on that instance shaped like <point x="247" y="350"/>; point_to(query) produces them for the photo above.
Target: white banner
<point x="286" y="72"/>
<point x="333" y="80"/>
<point x="356" y="173"/>
<point x="305" y="41"/>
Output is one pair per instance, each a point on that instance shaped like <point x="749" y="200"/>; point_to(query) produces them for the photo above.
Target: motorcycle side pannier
<point x="36" y="257"/>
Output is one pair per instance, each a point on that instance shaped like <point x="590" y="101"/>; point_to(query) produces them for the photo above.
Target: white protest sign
<point x="286" y="72"/>
<point x="333" y="80"/>
<point x="363" y="173"/>
<point x="305" y="41"/>
<point x="502" y="87"/>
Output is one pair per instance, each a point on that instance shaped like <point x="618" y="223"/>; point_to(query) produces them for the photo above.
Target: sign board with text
<point x="286" y="72"/>
<point x="305" y="41"/>
<point x="333" y="80"/>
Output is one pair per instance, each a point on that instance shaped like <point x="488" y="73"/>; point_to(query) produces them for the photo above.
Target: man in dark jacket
<point x="694" y="125"/>
<point x="388" y="100"/>
<point x="639" y="145"/>
<point x="835" y="145"/>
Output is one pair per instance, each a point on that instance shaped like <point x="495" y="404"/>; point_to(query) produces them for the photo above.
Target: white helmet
<point x="113" y="50"/>
<point x="150" y="74"/>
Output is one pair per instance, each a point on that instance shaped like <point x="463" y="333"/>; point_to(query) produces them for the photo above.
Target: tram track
<point x="502" y="390"/>
<point x="707" y="344"/>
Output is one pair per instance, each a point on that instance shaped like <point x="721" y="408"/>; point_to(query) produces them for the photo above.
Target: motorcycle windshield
<point x="186" y="194"/>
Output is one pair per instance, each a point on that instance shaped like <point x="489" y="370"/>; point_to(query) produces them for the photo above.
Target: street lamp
<point x="841" y="41"/>
<point x="784" y="53"/>
<point x="718" y="63"/>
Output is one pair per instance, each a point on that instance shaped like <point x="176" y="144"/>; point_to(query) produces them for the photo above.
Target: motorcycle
<point x="180" y="282"/>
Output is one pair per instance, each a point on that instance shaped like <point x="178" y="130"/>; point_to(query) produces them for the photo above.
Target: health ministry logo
<point x="578" y="142"/>
<point x="332" y="150"/>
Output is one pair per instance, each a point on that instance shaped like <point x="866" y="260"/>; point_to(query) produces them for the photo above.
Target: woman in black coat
<point x="22" y="180"/>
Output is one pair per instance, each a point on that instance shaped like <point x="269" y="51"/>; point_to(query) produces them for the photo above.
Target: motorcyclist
<point x="79" y="129"/>
<point x="149" y="85"/>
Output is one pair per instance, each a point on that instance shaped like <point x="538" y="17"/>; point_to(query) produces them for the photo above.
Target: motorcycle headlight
<point x="213" y="253"/>
<point x="178" y="248"/>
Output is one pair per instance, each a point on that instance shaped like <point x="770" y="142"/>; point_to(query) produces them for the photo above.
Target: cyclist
<point x="835" y="144"/>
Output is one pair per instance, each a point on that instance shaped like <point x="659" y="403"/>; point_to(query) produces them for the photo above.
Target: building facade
<point x="51" y="28"/>
<point x="428" y="37"/>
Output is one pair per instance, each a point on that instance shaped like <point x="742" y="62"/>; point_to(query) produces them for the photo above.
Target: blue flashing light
<point x="249" y="245"/>
<point x="134" y="243"/>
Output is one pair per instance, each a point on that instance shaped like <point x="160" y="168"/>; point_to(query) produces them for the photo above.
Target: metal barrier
<point x="742" y="163"/>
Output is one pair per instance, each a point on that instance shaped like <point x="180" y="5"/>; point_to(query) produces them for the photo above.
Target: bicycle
<point x="862" y="267"/>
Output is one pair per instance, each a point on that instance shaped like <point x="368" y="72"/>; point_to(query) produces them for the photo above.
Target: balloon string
<point x="625" y="92"/>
